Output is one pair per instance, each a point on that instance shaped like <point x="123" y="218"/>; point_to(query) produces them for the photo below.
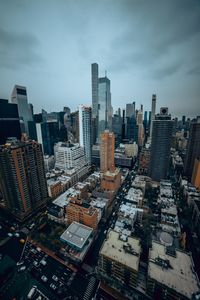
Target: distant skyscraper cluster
<point x="90" y="135"/>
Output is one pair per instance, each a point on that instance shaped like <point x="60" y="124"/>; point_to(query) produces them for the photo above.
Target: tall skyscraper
<point x="160" y="145"/>
<point x="85" y="131"/>
<point x="19" y="97"/>
<point x="95" y="82"/>
<point x="145" y="122"/>
<point x="22" y="177"/>
<point x="47" y="135"/>
<point x="9" y="121"/>
<point x="105" y="108"/>
<point x="131" y="129"/>
<point x="110" y="176"/>
<point x="107" y="151"/>
<point x="117" y="127"/>
<point x="193" y="149"/>
<point x="153" y="111"/>
<point x="123" y="125"/>
<point x="130" y="110"/>
<point x="95" y="101"/>
<point x="140" y="128"/>
<point x="73" y="134"/>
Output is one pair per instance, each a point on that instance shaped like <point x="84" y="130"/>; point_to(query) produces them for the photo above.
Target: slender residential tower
<point x="153" y="111"/>
<point x="85" y="132"/>
<point x="95" y="78"/>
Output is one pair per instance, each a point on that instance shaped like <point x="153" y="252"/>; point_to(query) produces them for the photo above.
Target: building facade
<point x="22" y="177"/>
<point x="196" y="174"/>
<point x="160" y="145"/>
<point x="153" y="111"/>
<point x="107" y="151"/>
<point x="19" y="97"/>
<point x="81" y="212"/>
<point x="119" y="260"/>
<point x="193" y="149"/>
<point x="69" y="156"/>
<point x="104" y="106"/>
<point x="85" y="131"/>
<point x="9" y="121"/>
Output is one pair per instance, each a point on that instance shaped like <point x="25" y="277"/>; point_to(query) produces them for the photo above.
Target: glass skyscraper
<point x="104" y="106"/>
<point x="162" y="127"/>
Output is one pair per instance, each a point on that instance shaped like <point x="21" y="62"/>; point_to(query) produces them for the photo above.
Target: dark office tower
<point x="132" y="129"/>
<point x="9" y="121"/>
<point x="145" y="122"/>
<point x="119" y="111"/>
<point x="160" y="145"/>
<point x="22" y="177"/>
<point x="149" y="123"/>
<point x="183" y="120"/>
<point x="193" y="149"/>
<point x="67" y="110"/>
<point x="130" y="110"/>
<point x="123" y="125"/>
<point x="117" y="127"/>
<point x="104" y="105"/>
<point x="19" y="97"/>
<point x="48" y="135"/>
<point x="153" y="111"/>
<point x="73" y="134"/>
<point x="95" y="79"/>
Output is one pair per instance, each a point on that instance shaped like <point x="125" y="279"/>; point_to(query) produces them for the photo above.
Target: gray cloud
<point x="18" y="50"/>
<point x="194" y="71"/>
<point x="165" y="26"/>
<point x="166" y="71"/>
<point x="146" y="46"/>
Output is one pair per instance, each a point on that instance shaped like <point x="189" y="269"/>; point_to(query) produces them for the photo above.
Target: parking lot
<point x="55" y="280"/>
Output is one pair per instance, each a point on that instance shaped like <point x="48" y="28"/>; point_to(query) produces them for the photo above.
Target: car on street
<point x="44" y="278"/>
<point x="55" y="278"/>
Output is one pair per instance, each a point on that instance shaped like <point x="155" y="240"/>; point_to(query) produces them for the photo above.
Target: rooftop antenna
<point x="105" y="73"/>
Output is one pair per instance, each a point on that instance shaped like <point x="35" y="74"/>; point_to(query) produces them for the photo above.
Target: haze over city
<point x="145" y="46"/>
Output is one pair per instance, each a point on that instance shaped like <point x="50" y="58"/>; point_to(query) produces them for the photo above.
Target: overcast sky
<point x="145" y="46"/>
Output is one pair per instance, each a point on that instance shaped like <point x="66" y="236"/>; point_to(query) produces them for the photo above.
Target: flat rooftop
<point x="126" y="253"/>
<point x="180" y="276"/>
<point x="63" y="199"/>
<point x="76" y="234"/>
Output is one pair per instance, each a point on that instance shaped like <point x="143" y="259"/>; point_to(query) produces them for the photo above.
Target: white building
<point x="85" y="132"/>
<point x="69" y="156"/>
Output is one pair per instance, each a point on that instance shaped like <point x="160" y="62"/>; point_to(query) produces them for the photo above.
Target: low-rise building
<point x="119" y="259"/>
<point x="135" y="196"/>
<point x="171" y="274"/>
<point x="78" y="239"/>
<point x="81" y="212"/>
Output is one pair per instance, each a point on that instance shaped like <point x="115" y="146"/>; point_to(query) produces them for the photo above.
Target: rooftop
<point x="126" y="253"/>
<point x="63" y="199"/>
<point x="174" y="271"/>
<point x="76" y="234"/>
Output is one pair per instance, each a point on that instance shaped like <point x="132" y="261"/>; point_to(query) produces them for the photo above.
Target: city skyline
<point x="139" y="45"/>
